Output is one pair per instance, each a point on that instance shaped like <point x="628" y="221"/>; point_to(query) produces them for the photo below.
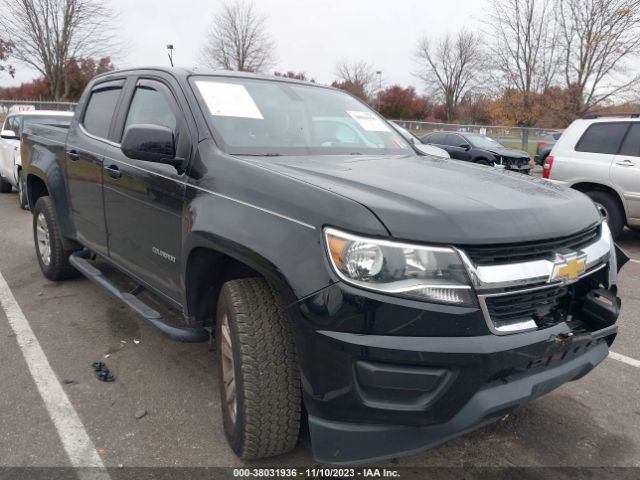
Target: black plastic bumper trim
<point x="347" y="443"/>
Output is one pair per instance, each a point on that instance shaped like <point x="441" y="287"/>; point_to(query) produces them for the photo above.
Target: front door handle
<point x="113" y="171"/>
<point x="625" y="163"/>
<point x="73" y="155"/>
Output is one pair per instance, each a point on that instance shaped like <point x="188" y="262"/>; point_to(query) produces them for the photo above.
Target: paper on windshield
<point x="228" y="100"/>
<point x="368" y="121"/>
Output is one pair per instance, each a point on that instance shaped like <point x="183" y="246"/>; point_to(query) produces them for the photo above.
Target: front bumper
<point x="519" y="168"/>
<point x="348" y="443"/>
<point x="384" y="377"/>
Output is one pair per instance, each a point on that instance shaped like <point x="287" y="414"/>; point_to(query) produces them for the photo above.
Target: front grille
<point x="527" y="251"/>
<point x="534" y="305"/>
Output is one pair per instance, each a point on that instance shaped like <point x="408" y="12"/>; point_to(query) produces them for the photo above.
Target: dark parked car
<point x="404" y="299"/>
<point x="544" y="147"/>
<point x="477" y="148"/>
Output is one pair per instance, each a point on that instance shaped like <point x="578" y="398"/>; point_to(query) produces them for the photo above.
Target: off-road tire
<point x="59" y="267"/>
<point x="615" y="214"/>
<point x="22" y="191"/>
<point x="266" y="375"/>
<point x="5" y="187"/>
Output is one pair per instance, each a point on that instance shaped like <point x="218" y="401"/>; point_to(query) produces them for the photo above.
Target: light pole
<point x="379" y="73"/>
<point x="170" y="49"/>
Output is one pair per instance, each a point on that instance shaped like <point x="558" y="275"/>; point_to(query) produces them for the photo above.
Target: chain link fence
<point x="10" y="106"/>
<point x="511" y="137"/>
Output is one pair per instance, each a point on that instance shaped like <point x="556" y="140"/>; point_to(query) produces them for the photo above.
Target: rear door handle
<point x="73" y="155"/>
<point x="625" y="163"/>
<point x="113" y="171"/>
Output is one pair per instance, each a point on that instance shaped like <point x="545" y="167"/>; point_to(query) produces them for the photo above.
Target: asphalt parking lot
<point x="594" y="422"/>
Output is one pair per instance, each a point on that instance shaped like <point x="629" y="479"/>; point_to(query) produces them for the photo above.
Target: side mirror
<point x="426" y="149"/>
<point x="9" y="135"/>
<point x="151" y="143"/>
<point x="465" y="146"/>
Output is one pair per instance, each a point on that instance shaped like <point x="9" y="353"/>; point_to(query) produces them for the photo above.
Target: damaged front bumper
<point x="350" y="443"/>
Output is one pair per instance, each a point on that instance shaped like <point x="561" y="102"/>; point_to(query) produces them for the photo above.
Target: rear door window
<point x="603" y="138"/>
<point x="455" y="140"/>
<point x="631" y="144"/>
<point x="100" y="110"/>
<point x="438" y="138"/>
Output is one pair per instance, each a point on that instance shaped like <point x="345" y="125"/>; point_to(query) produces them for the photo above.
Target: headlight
<point x="423" y="273"/>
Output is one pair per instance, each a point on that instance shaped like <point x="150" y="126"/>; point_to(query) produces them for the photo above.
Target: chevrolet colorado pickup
<point x="402" y="299"/>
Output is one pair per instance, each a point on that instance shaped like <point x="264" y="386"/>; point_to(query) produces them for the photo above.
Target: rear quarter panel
<point x="43" y="156"/>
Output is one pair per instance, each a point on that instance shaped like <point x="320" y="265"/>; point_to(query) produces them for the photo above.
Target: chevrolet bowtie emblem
<point x="568" y="267"/>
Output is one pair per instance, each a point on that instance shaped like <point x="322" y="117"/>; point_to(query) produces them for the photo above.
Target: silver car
<point x="600" y="156"/>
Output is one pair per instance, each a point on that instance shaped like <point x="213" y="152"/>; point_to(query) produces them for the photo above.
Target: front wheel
<point x="258" y="373"/>
<point x="22" y="191"/>
<point x="52" y="257"/>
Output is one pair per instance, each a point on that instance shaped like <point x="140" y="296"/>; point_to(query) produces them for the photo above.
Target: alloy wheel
<point x="44" y="240"/>
<point x="228" y="372"/>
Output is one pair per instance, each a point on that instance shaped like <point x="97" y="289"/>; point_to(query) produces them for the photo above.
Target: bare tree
<point x="5" y="52"/>
<point x="451" y="67"/>
<point x="356" y="73"/>
<point x="238" y="40"/>
<point x="525" y="43"/>
<point x="597" y="39"/>
<point x="47" y="34"/>
<point x="355" y="77"/>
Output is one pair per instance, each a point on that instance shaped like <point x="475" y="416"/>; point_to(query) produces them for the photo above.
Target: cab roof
<point x="184" y="73"/>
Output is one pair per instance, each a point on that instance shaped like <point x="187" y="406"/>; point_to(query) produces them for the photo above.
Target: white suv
<point x="600" y="156"/>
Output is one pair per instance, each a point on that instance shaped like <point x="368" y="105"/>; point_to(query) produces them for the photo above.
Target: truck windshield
<point x="263" y="117"/>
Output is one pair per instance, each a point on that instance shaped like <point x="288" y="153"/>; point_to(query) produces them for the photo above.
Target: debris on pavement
<point x="136" y="342"/>
<point x="140" y="413"/>
<point x="102" y="372"/>
<point x="68" y="381"/>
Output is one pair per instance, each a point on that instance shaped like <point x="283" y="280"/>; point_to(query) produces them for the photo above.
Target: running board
<point x="186" y="334"/>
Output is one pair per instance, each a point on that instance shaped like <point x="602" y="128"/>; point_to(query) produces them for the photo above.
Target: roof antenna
<point x="170" y="48"/>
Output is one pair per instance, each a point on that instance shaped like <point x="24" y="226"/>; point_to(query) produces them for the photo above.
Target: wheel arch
<point x="52" y="184"/>
<point x="210" y="261"/>
<point x="585" y="187"/>
<point x="480" y="157"/>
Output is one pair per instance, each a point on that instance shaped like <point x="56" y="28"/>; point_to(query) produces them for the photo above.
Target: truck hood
<point x="445" y="201"/>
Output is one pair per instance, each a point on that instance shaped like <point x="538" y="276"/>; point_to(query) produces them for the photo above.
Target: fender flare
<point x="239" y="253"/>
<point x="45" y="167"/>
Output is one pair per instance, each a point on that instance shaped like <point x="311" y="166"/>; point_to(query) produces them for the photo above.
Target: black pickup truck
<point x="404" y="299"/>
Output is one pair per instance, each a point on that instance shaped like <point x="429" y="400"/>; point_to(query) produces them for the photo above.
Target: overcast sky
<point x="311" y="35"/>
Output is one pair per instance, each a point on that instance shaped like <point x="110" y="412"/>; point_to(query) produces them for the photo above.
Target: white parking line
<point x="634" y="260"/>
<point x="75" y="440"/>
<point x="624" y="359"/>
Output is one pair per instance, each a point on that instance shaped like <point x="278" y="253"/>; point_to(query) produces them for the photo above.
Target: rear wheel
<point x="5" y="187"/>
<point x="258" y="373"/>
<point x="52" y="257"/>
<point x="610" y="209"/>
<point x="22" y="191"/>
